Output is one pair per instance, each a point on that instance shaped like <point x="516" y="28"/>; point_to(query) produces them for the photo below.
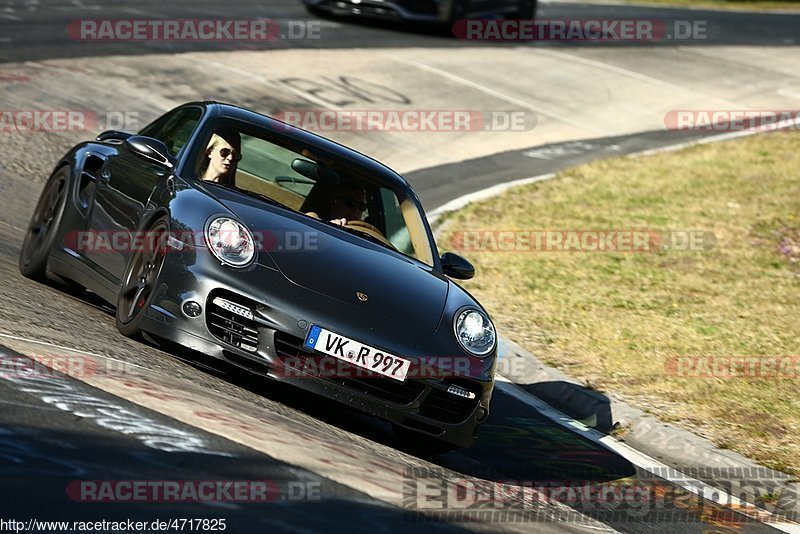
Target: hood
<point x="340" y="265"/>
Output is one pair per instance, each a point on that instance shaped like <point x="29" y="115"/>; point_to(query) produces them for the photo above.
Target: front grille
<point x="229" y="319"/>
<point x="449" y="408"/>
<point x="364" y="8"/>
<point x="371" y="384"/>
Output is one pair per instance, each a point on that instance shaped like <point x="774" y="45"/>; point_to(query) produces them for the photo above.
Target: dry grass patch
<point x="756" y="5"/>
<point x="620" y="320"/>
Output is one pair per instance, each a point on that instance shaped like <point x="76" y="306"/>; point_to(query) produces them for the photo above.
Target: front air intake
<point x="232" y="322"/>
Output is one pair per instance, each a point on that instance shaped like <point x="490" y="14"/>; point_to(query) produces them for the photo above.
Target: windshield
<point x="331" y="191"/>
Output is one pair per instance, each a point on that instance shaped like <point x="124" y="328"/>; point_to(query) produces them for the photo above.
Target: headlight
<point x="230" y="241"/>
<point x="475" y="332"/>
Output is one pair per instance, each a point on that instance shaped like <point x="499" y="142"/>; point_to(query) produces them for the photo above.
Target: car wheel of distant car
<point x="458" y="11"/>
<point x="44" y="225"/>
<point x="140" y="278"/>
<point x="420" y="443"/>
<point x="527" y="9"/>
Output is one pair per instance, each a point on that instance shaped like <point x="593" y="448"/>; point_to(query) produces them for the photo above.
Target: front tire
<point x="140" y="279"/>
<point x="45" y="226"/>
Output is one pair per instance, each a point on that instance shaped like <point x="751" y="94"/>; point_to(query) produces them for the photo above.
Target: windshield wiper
<point x="253" y="194"/>
<point x="263" y="197"/>
<point x="359" y="233"/>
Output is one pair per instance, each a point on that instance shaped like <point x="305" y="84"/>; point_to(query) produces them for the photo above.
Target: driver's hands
<point x="340" y="222"/>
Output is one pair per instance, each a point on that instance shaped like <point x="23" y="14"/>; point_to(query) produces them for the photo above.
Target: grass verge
<point x="755" y="5"/>
<point x="638" y="325"/>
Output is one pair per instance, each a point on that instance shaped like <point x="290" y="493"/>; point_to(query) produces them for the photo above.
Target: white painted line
<point x="9" y="225"/>
<point x="143" y="12"/>
<point x="629" y="73"/>
<point x="483" y="194"/>
<point x="727" y="136"/>
<point x="460" y="202"/>
<point x="641" y="460"/>
<point x="790" y="93"/>
<point x="492" y="92"/>
<point x="73" y="397"/>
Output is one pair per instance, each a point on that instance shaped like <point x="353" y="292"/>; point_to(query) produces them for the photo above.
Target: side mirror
<point x="151" y="150"/>
<point x="456" y="266"/>
<point x="113" y="135"/>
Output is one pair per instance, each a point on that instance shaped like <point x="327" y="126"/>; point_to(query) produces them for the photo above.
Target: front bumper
<point x="271" y="339"/>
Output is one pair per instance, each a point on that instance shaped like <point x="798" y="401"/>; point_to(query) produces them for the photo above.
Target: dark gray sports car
<point x="436" y="11"/>
<point x="244" y="238"/>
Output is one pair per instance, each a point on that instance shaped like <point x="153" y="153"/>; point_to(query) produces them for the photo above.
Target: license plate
<point x="357" y="354"/>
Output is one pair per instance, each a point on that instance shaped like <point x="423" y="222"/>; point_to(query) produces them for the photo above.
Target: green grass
<point x="617" y="320"/>
<point x="765" y="5"/>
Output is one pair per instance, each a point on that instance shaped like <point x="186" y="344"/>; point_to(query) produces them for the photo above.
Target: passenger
<point x="221" y="158"/>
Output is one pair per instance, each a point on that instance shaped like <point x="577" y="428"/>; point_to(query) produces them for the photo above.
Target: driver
<point x="346" y="203"/>
<point x="349" y="204"/>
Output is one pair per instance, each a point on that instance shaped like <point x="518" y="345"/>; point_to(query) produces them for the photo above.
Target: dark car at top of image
<point x="433" y="11"/>
<point x="258" y="270"/>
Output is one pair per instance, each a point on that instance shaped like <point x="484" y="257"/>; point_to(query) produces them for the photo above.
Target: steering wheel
<point x="369" y="229"/>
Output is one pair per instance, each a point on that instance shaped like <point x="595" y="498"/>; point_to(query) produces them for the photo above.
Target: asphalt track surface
<point x="176" y="416"/>
<point x="37" y="30"/>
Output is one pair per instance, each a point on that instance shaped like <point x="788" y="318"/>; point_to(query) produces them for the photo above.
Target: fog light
<point x="481" y="414"/>
<point x="192" y="308"/>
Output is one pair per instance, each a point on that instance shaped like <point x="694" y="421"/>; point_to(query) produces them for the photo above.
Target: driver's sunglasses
<point x="353" y="203"/>
<point x="225" y="152"/>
